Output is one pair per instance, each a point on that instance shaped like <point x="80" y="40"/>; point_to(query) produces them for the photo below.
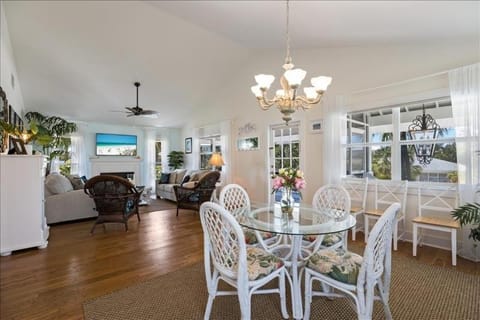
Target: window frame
<point x="396" y="143"/>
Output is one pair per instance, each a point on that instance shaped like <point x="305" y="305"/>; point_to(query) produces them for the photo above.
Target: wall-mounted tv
<point x="109" y="144"/>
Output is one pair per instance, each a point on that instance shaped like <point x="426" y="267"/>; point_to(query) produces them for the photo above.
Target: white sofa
<point x="165" y="190"/>
<point x="63" y="202"/>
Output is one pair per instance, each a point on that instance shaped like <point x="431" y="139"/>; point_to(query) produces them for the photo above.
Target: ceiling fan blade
<point x="149" y="112"/>
<point x="131" y="115"/>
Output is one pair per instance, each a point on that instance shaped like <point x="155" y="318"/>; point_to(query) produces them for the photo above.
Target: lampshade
<point x="216" y="160"/>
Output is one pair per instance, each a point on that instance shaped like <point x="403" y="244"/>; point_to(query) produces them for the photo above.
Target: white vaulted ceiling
<point x="79" y="59"/>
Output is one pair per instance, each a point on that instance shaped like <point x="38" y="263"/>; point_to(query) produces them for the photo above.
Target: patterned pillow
<point x="76" y="182"/>
<point x="251" y="238"/>
<point x="328" y="240"/>
<point x="260" y="263"/>
<point x="338" y="264"/>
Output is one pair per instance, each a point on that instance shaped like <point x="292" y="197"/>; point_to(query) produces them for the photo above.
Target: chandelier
<point x="424" y="127"/>
<point x="287" y="99"/>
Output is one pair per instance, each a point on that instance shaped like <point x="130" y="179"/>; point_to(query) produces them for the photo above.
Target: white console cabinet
<point x="22" y="219"/>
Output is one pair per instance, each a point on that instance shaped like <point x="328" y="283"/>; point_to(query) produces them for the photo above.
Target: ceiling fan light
<point x="264" y="81"/>
<point x="321" y="83"/>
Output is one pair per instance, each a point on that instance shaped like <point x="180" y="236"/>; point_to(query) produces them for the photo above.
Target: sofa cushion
<point x="164" y="178"/>
<point x="166" y="187"/>
<point x="180" y="175"/>
<point x="173" y="177"/>
<point x="56" y="183"/>
<point x="76" y="181"/>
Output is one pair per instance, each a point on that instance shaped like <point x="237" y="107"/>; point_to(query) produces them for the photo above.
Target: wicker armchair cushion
<point x="328" y="240"/>
<point x="339" y="264"/>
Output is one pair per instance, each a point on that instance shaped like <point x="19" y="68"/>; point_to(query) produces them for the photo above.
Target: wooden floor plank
<point x="76" y="266"/>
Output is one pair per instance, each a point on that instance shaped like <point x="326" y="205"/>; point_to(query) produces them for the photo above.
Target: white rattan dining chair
<point x="234" y="197"/>
<point x="357" y="189"/>
<point x="227" y="258"/>
<point x="335" y="201"/>
<point x="386" y="193"/>
<point x="435" y="203"/>
<point x="354" y="276"/>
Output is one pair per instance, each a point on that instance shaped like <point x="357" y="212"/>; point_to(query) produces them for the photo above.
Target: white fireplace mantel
<point x="116" y="164"/>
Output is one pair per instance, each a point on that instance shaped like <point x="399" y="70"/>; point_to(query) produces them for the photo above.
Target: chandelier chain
<point x="288" y="59"/>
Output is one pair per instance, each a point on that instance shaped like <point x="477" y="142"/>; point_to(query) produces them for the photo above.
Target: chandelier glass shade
<point x="288" y="99"/>
<point x="424" y="128"/>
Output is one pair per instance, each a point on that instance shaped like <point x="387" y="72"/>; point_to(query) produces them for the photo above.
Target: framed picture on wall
<point x="316" y="126"/>
<point x="188" y="145"/>
<point x="247" y="144"/>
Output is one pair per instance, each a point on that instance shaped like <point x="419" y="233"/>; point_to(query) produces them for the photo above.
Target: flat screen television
<point x="109" y="144"/>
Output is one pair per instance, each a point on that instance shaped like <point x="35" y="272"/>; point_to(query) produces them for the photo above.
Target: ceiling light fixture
<point x="287" y="99"/>
<point x="424" y="127"/>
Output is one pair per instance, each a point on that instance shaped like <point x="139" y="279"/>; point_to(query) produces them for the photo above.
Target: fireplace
<point x="124" y="166"/>
<point x="130" y="175"/>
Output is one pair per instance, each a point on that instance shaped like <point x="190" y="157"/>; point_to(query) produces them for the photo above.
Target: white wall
<point x="8" y="68"/>
<point x="352" y="69"/>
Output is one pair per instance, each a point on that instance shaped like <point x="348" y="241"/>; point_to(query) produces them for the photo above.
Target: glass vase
<point x="287" y="202"/>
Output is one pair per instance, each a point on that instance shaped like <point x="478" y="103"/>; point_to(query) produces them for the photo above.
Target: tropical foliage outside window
<point x="370" y="141"/>
<point x="158" y="159"/>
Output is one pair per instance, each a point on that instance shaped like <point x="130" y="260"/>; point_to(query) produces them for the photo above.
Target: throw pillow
<point x="56" y="183"/>
<point x="185" y="179"/>
<point x="164" y="178"/>
<point x="76" y="182"/>
<point x="180" y="174"/>
<point x="190" y="184"/>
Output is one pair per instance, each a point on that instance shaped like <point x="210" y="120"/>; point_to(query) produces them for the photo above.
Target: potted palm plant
<point x="175" y="159"/>
<point x="469" y="214"/>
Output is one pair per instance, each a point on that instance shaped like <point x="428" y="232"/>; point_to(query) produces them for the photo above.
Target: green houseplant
<point x="46" y="133"/>
<point x="469" y="214"/>
<point x="175" y="159"/>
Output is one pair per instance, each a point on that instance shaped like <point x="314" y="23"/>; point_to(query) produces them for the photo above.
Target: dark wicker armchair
<point x="192" y="198"/>
<point x="116" y="199"/>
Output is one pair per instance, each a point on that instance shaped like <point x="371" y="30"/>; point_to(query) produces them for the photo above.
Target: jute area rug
<point x="418" y="291"/>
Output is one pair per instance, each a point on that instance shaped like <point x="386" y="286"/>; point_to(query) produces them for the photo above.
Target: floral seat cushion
<point x="260" y="263"/>
<point x="251" y="238"/>
<point x="338" y="264"/>
<point x="328" y="240"/>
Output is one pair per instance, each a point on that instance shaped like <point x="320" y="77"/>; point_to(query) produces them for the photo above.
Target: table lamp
<point x="216" y="160"/>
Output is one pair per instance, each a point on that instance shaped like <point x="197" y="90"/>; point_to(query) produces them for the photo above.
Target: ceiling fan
<point x="137" y="111"/>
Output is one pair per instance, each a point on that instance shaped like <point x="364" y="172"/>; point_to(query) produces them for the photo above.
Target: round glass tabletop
<point x="304" y="220"/>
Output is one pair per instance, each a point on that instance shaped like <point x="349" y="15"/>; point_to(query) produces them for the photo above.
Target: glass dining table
<point x="290" y="230"/>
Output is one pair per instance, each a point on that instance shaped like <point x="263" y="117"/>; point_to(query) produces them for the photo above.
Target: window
<point x="158" y="159"/>
<point x="373" y="148"/>
<point x="207" y="147"/>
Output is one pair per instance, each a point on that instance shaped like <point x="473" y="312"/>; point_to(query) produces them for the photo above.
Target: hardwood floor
<point x="53" y="283"/>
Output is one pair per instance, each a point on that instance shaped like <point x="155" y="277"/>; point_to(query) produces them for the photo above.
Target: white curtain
<point x="149" y="161"/>
<point x="333" y="135"/>
<point x="78" y="156"/>
<point x="226" y="154"/>
<point x="465" y="94"/>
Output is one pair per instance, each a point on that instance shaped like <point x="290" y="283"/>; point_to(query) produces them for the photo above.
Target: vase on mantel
<point x="287" y="202"/>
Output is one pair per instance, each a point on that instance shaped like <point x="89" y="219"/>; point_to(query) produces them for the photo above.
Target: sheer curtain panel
<point x="465" y="94"/>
